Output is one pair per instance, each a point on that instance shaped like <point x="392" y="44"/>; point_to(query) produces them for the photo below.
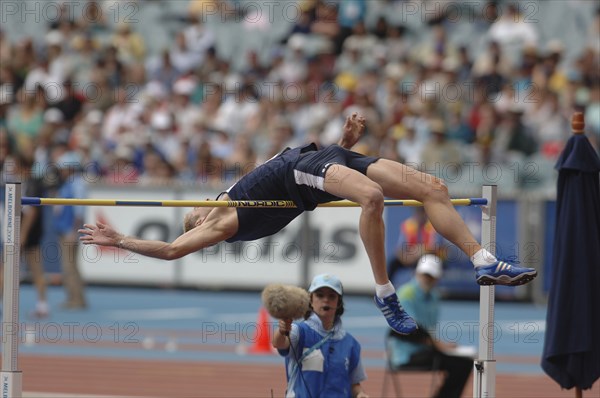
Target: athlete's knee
<point x="436" y="189"/>
<point x="372" y="198"/>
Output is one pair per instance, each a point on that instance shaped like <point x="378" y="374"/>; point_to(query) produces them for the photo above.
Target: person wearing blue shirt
<point x="421" y="299"/>
<point x="321" y="358"/>
<point x="65" y="220"/>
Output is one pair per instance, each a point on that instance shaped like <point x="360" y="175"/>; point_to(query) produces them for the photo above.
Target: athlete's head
<point x="195" y="217"/>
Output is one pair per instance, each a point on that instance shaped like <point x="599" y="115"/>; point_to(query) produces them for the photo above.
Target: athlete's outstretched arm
<point x="216" y="228"/>
<point x="353" y="129"/>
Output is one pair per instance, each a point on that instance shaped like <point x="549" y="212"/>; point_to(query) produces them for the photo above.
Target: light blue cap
<point x="326" y="280"/>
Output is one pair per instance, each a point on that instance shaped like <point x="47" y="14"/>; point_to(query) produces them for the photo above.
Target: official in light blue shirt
<point x="421" y="300"/>
<point x="321" y="358"/>
<point x="426" y="304"/>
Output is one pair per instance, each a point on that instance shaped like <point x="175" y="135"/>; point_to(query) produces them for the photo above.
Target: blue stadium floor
<point x="211" y="326"/>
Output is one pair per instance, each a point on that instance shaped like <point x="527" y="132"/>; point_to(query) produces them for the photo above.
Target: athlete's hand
<point x="353" y="129"/>
<point x="99" y="234"/>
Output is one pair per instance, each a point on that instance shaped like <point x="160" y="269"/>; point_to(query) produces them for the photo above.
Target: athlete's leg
<point x="399" y="181"/>
<point x="349" y="184"/>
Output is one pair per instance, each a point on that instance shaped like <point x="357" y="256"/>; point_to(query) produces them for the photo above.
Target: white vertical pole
<point x="306" y="247"/>
<point x="484" y="382"/>
<point x="11" y="377"/>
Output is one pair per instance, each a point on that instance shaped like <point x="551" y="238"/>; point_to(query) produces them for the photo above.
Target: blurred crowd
<point x="189" y="114"/>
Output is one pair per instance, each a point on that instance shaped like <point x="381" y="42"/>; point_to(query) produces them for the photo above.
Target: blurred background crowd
<point x="199" y="92"/>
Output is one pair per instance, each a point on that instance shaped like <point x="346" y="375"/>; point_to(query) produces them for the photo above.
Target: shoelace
<point x="395" y="309"/>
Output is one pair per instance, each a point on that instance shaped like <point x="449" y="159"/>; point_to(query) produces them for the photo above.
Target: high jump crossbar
<point x="33" y="201"/>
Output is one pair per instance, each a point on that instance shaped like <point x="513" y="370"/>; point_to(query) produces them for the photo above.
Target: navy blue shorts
<point x="310" y="170"/>
<point x="296" y="174"/>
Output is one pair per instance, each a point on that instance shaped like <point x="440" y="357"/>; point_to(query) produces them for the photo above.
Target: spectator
<point x="59" y="68"/>
<point x="325" y="24"/>
<point x="5" y="49"/>
<point x="71" y="102"/>
<point x="198" y="37"/>
<point x="396" y="45"/>
<point x="281" y="135"/>
<point x="120" y="118"/>
<point x="457" y="129"/>
<point x="66" y="220"/>
<point x="437" y="46"/>
<point x="209" y="108"/>
<point x="157" y="170"/>
<point x="185" y="112"/>
<point x="103" y="97"/>
<point x="20" y="167"/>
<point x="409" y="146"/>
<point x="492" y="57"/>
<point x="492" y="80"/>
<point x="54" y="128"/>
<point x="238" y="111"/>
<point x="350" y="13"/>
<point x="25" y="119"/>
<point x="303" y="23"/>
<point x="210" y="65"/>
<point x="94" y="19"/>
<point x="109" y="65"/>
<point x="512" y="136"/>
<point x="355" y="59"/>
<point x="440" y="155"/>
<point x="41" y="77"/>
<point x="291" y="67"/>
<point x="182" y="57"/>
<point x="417" y="238"/>
<point x="363" y="39"/>
<point x="421" y="298"/>
<point x="122" y="169"/>
<point x="23" y="60"/>
<point x="207" y="167"/>
<point x="129" y="45"/>
<point x="162" y="70"/>
<point x="163" y="136"/>
<point x="465" y="65"/>
<point x="242" y="159"/>
<point x="513" y="32"/>
<point x="550" y="128"/>
<point x="85" y="134"/>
